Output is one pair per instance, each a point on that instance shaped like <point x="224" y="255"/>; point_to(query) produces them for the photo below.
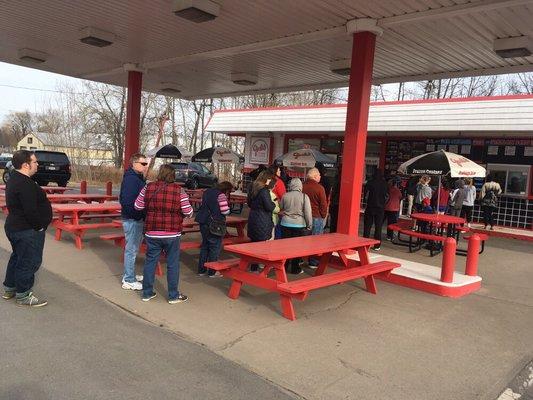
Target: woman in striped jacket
<point x="166" y="205"/>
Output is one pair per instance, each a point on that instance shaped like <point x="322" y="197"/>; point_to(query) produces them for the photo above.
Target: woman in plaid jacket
<point x="165" y="206"/>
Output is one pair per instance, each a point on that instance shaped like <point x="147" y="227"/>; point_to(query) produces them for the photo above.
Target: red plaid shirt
<point x="166" y="205"/>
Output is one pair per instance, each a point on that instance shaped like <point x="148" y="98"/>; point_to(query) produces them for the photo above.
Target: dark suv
<point x="54" y="166"/>
<point x="194" y="175"/>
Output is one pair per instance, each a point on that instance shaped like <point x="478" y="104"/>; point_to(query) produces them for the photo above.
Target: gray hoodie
<point x="296" y="207"/>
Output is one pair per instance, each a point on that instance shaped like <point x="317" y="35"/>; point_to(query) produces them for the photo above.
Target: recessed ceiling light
<point x="244" y="79"/>
<point x="520" y="46"/>
<point x="196" y="10"/>
<point x="32" y="56"/>
<point x="341" y="67"/>
<point x="96" y="37"/>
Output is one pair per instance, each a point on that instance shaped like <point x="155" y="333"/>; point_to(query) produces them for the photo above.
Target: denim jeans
<point x="25" y="260"/>
<point x="154" y="247"/>
<point x="133" y="232"/>
<point x="317" y="229"/>
<point x="210" y="250"/>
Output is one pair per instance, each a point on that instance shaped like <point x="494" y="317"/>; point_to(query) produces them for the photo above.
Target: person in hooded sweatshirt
<point x="376" y="192"/>
<point x="297" y="218"/>
<point x="457" y="198"/>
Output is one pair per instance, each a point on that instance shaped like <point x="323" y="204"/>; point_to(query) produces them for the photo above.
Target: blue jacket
<point x="209" y="207"/>
<point x="132" y="184"/>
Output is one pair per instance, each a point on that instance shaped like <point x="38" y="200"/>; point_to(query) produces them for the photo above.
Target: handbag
<point x="217" y="227"/>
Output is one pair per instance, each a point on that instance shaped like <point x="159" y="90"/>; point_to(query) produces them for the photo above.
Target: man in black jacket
<point x="132" y="219"/>
<point x="30" y="214"/>
<point x="377" y="192"/>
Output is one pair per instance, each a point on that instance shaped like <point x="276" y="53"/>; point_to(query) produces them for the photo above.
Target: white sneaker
<point x="139" y="278"/>
<point x="132" y="285"/>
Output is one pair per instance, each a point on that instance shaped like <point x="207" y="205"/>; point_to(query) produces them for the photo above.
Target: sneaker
<point x="31" y="301"/>
<point x="8" y="294"/>
<point x="388" y="238"/>
<point x="376" y="248"/>
<point x="215" y="275"/>
<point x="139" y="278"/>
<point x="202" y="273"/>
<point x="180" y="299"/>
<point x="296" y="271"/>
<point x="150" y="297"/>
<point x="132" y="285"/>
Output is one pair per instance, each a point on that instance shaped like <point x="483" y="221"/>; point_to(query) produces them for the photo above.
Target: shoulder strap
<point x="152" y="196"/>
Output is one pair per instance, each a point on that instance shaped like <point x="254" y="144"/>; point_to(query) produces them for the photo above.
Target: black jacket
<point x="377" y="192"/>
<point x="260" y="218"/>
<point x="27" y="203"/>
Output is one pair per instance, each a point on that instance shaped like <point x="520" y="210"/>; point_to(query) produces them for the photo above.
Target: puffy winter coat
<point x="260" y="223"/>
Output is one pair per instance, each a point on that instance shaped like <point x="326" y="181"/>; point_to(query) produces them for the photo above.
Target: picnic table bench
<point x="47" y="189"/>
<point x="83" y="197"/>
<point x="69" y="218"/>
<point x="274" y="254"/>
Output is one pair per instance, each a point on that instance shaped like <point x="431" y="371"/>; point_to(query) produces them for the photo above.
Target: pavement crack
<point x="358" y="371"/>
<point x="240" y="338"/>
<point x="502" y="300"/>
<point x="333" y="308"/>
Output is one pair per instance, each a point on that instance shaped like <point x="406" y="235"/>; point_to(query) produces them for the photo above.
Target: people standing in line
<point x="468" y="203"/>
<point x="133" y="181"/>
<point x="334" y="202"/>
<point x="319" y="205"/>
<point x="214" y="206"/>
<point x="297" y="219"/>
<point x="166" y="205"/>
<point x="276" y="231"/>
<point x="489" y="200"/>
<point x="442" y="197"/>
<point x="278" y="189"/>
<point x="376" y="192"/>
<point x="30" y="213"/>
<point x="411" y="190"/>
<point x="392" y="206"/>
<point x="423" y="194"/>
<point x="261" y="206"/>
<point x="457" y="198"/>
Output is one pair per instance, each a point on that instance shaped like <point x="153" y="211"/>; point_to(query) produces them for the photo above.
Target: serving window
<point x="513" y="179"/>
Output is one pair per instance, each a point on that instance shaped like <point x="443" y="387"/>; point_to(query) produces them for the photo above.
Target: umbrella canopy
<point x="168" y="151"/>
<point x="442" y="163"/>
<point x="304" y="158"/>
<point x="219" y="155"/>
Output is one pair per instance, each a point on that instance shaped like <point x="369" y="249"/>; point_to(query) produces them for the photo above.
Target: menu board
<point x="399" y="151"/>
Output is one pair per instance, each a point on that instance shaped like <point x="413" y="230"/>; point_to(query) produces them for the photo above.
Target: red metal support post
<point x="472" y="255"/>
<point x="448" y="260"/>
<point x="353" y="156"/>
<point x="109" y="188"/>
<point x="83" y="187"/>
<point x="133" y="116"/>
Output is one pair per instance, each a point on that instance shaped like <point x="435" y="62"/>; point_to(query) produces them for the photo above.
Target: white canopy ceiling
<point x="287" y="45"/>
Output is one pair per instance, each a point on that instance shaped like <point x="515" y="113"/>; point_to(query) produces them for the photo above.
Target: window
<point x="205" y="169"/>
<point x="23" y="148"/>
<point x="513" y="179"/>
<point x="30" y="140"/>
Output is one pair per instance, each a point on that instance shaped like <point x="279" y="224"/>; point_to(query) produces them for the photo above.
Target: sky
<point x="29" y="89"/>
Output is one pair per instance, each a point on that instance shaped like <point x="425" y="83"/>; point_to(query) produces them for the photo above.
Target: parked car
<point x="4" y="160"/>
<point x="54" y="166"/>
<point x="194" y="175"/>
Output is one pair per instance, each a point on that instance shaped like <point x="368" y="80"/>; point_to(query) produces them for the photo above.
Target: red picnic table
<point x="274" y="253"/>
<point x="189" y="226"/>
<point x="85" y="197"/>
<point x="70" y="216"/>
<point x="47" y="189"/>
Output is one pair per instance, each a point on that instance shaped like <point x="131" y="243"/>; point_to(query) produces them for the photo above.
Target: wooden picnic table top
<point x="283" y="249"/>
<point x="75" y="207"/>
<point x="57" y="197"/>
<point x="438" y="218"/>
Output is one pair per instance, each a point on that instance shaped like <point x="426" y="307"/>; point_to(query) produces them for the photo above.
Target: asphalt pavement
<point x="81" y="347"/>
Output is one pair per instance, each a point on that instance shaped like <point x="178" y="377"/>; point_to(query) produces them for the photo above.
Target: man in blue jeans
<point x="30" y="214"/>
<point x="132" y="219"/>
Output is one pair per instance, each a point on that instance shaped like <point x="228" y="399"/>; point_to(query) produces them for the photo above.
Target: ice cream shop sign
<point x="260" y="150"/>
